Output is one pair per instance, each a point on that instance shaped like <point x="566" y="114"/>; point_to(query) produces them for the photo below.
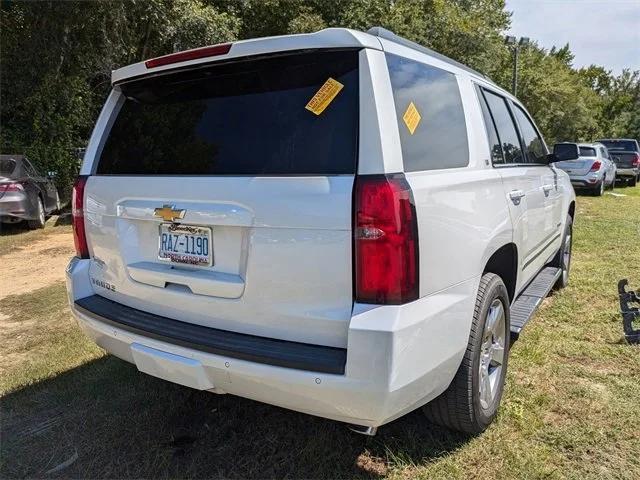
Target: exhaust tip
<point x="363" y="430"/>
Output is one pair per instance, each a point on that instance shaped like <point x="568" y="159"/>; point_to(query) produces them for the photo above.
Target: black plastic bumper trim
<point x="270" y="351"/>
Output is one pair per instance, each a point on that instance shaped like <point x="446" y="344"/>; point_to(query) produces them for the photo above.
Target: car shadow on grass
<point x="104" y="419"/>
<point x="57" y="220"/>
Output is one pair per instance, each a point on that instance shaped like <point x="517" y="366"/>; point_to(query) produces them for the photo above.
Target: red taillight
<point x="636" y="161"/>
<point x="77" y="217"/>
<point x="194" y="54"/>
<point x="12" y="187"/>
<point x="386" y="240"/>
<point x="595" y="166"/>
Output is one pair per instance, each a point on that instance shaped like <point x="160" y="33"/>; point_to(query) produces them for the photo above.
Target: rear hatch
<point x="578" y="167"/>
<point x="582" y="165"/>
<point x="222" y="196"/>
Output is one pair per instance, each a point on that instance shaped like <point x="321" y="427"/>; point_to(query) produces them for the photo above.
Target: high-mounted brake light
<point x="77" y="217"/>
<point x="595" y="166"/>
<point x="194" y="54"/>
<point x="385" y="240"/>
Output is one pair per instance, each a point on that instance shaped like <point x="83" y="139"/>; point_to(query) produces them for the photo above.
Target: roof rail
<point x="389" y="35"/>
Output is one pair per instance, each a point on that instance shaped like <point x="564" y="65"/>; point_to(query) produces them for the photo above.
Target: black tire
<point x="599" y="190"/>
<point x="39" y="221"/>
<point x="632" y="181"/>
<point x="460" y="406"/>
<point x="562" y="260"/>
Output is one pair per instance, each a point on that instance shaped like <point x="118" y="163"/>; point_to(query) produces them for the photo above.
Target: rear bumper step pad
<point x="526" y="304"/>
<point x="270" y="351"/>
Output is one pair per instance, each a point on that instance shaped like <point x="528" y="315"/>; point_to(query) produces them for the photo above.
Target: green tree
<point x="56" y="60"/>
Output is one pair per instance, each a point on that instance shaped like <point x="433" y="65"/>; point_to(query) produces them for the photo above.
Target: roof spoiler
<point x="389" y="35"/>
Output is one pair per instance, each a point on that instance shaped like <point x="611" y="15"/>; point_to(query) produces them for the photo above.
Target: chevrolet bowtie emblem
<point x="168" y="213"/>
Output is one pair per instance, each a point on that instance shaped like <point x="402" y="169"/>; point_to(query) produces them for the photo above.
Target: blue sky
<point x="603" y="32"/>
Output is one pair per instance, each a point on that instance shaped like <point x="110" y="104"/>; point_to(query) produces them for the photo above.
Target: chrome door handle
<point x="516" y="196"/>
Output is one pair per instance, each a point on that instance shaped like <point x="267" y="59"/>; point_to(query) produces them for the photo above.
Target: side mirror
<point x="563" y="152"/>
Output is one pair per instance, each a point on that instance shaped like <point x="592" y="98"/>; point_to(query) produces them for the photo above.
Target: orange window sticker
<point x="411" y="118"/>
<point x="323" y="97"/>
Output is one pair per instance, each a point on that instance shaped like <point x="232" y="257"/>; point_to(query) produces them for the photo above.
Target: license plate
<point x="185" y="244"/>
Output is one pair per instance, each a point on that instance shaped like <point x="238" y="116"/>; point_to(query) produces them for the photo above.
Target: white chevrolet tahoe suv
<point x="342" y="223"/>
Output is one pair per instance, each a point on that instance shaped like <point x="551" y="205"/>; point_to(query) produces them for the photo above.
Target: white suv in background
<point x="342" y="223"/>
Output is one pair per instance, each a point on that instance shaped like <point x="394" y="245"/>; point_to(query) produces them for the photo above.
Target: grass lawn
<point x="571" y="407"/>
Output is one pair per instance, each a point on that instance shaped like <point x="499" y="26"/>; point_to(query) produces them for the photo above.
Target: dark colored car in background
<point x="625" y="152"/>
<point x="25" y="194"/>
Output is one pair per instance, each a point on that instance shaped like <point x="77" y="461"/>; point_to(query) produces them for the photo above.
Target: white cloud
<point x="605" y="33"/>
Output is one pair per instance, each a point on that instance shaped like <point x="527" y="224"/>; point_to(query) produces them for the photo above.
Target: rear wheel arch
<point x="504" y="263"/>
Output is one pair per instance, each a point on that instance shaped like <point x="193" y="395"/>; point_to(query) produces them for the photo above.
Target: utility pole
<point x="515" y="45"/>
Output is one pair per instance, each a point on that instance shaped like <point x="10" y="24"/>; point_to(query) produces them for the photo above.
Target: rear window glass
<point x="587" y="152"/>
<point x="626" y="145"/>
<point x="433" y="133"/>
<point x="7" y="166"/>
<point x="240" y="118"/>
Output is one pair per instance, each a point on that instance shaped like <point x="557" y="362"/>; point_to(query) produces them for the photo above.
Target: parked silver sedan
<point x="25" y="194"/>
<point x="593" y="171"/>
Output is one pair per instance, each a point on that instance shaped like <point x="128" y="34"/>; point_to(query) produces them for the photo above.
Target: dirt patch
<point x="40" y="264"/>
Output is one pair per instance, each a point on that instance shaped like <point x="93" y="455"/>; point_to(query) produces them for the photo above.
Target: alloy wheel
<point x="492" y="353"/>
<point x="566" y="257"/>
<point x="41" y="218"/>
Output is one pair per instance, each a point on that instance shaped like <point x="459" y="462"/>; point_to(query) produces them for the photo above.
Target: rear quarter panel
<point x="463" y="217"/>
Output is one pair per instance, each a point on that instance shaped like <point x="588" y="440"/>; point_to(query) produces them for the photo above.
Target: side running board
<point x="526" y="304"/>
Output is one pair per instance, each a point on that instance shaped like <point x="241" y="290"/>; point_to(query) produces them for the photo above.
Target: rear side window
<point x="533" y="144"/>
<point x="433" y="133"/>
<point x="240" y="118"/>
<point x="506" y="128"/>
<point x="29" y="169"/>
<point x="492" y="134"/>
<point x="587" y="152"/>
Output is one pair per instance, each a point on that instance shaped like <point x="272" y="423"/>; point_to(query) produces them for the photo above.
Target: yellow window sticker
<point x="324" y="96"/>
<point x="411" y="118"/>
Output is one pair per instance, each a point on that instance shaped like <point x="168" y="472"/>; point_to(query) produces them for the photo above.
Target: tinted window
<point x="533" y="144"/>
<point x="240" y="118"/>
<point x="492" y="136"/>
<point x="626" y="145"/>
<point x="7" y="167"/>
<point x="604" y="152"/>
<point x="587" y="152"/>
<point x="430" y="116"/>
<point x="28" y="169"/>
<point x="506" y="128"/>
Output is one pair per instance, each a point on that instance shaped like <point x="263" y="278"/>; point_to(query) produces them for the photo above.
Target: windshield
<point x="249" y="117"/>
<point x="587" y="152"/>
<point x="626" y="145"/>
<point x="7" y="167"/>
